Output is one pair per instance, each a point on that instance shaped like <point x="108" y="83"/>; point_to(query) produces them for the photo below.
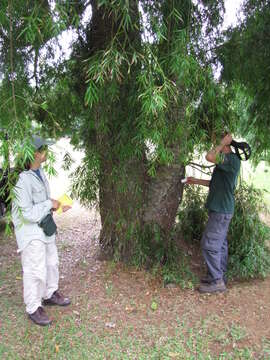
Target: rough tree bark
<point x="130" y="200"/>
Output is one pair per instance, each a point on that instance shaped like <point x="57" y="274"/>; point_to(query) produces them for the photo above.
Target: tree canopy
<point x="138" y="93"/>
<point x="245" y="56"/>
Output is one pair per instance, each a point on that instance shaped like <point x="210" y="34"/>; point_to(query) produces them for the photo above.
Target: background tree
<point x="245" y="56"/>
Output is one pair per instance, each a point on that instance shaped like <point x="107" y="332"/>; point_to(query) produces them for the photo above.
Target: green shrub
<point x="192" y="215"/>
<point x="163" y="257"/>
<point x="249" y="255"/>
<point x="176" y="270"/>
<point x="248" y="235"/>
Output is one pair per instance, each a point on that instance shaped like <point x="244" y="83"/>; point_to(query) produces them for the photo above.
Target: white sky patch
<point x="232" y="12"/>
<point x="68" y="37"/>
<point x="65" y="40"/>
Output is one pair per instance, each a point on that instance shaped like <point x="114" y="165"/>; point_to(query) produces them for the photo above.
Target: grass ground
<point x="122" y="313"/>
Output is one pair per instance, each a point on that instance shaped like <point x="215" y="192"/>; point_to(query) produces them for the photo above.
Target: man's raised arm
<point x="212" y="155"/>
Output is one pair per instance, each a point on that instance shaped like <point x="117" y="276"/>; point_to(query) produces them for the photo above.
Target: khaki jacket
<point x="31" y="204"/>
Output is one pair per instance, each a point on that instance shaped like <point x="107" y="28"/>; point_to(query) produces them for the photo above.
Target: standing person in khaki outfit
<point x="39" y="255"/>
<point x="220" y="205"/>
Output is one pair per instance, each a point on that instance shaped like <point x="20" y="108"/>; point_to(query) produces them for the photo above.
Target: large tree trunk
<point x="121" y="197"/>
<point x="121" y="204"/>
<point x="132" y="205"/>
<point x="164" y="195"/>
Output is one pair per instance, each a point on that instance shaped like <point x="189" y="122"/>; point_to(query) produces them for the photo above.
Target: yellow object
<point x="64" y="200"/>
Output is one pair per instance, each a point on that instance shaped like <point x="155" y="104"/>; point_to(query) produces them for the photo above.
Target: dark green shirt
<point x="222" y="185"/>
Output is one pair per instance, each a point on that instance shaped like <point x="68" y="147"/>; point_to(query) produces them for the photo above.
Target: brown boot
<point x="40" y="317"/>
<point x="57" y="299"/>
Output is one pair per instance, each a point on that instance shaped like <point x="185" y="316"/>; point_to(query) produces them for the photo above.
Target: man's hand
<point x="66" y="208"/>
<point x="55" y="204"/>
<point x="212" y="155"/>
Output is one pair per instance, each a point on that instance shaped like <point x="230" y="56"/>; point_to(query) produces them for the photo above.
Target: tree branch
<point x="202" y="166"/>
<point x="35" y="67"/>
<point x="11" y="57"/>
<point x="204" y="172"/>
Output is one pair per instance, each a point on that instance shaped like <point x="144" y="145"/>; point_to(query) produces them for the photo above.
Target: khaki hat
<point x="37" y="142"/>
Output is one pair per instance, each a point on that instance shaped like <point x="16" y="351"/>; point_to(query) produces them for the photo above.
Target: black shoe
<point x="40" y="317"/>
<point x="216" y="286"/>
<point x="57" y="299"/>
<point x="207" y="280"/>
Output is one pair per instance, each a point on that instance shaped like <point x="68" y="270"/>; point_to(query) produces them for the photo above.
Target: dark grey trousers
<point x="214" y="245"/>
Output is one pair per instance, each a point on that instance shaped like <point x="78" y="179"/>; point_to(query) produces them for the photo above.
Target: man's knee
<point x="35" y="273"/>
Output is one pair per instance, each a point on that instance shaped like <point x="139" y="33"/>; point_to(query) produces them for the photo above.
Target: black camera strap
<point x="242" y="150"/>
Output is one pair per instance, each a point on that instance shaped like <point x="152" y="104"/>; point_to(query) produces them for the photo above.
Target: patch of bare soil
<point x="77" y="239"/>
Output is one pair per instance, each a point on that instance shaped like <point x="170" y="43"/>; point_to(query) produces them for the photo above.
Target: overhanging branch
<point x="200" y="167"/>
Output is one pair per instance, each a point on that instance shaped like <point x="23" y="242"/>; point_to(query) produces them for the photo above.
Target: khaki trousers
<point x="40" y="273"/>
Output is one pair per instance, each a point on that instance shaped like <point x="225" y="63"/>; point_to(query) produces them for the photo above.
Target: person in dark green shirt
<point x="220" y="205"/>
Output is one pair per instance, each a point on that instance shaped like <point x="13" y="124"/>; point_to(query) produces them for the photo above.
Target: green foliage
<point x="154" y="77"/>
<point x="85" y="182"/>
<point x="176" y="270"/>
<point x="160" y="253"/>
<point x="245" y="58"/>
<point x="67" y="161"/>
<point x="137" y="75"/>
<point x="49" y="164"/>
<point x="192" y="215"/>
<point x="248" y="236"/>
<point x="151" y="247"/>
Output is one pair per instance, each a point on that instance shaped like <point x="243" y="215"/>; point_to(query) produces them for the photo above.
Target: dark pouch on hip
<point x="48" y="225"/>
